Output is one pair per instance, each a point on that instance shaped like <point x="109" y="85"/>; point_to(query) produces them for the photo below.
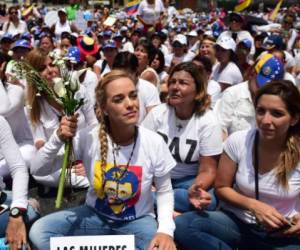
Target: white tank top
<point x="60" y="28"/>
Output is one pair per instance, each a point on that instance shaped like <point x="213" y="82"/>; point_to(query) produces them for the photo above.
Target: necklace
<point x="180" y="124"/>
<point x="116" y="149"/>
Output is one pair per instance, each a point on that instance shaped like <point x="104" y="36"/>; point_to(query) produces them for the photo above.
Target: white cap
<point x="62" y="10"/>
<point x="123" y="28"/>
<point x="181" y="39"/>
<point x="192" y="33"/>
<point x="226" y="42"/>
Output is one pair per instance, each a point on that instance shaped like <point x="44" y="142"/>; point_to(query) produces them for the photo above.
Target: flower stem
<point x="63" y="174"/>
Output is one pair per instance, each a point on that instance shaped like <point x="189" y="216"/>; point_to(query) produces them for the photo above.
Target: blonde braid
<point x="100" y="92"/>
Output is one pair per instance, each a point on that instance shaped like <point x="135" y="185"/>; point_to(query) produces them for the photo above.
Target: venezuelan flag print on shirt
<point x="120" y="190"/>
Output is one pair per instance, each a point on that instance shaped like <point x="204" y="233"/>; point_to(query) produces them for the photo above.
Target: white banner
<point x="99" y="242"/>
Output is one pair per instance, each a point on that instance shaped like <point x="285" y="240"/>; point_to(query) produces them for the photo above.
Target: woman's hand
<point x="16" y="233"/>
<point x="162" y="241"/>
<point x="268" y="216"/>
<point x="294" y="230"/>
<point x="198" y="197"/>
<point x="67" y="127"/>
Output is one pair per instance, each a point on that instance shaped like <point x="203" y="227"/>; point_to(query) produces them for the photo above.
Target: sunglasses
<point x="287" y="22"/>
<point x="13" y="13"/>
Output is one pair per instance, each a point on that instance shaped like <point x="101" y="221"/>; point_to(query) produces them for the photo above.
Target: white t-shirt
<point x="148" y="96"/>
<point x="90" y="82"/>
<point x="287" y="202"/>
<point x="214" y="90"/>
<point x="151" y="158"/>
<point x="188" y="140"/>
<point x="231" y="74"/>
<point x="236" y="110"/>
<point x="99" y="64"/>
<point x="150" y="12"/>
<point x="9" y="27"/>
<point x="187" y="57"/>
<point x="60" y="28"/>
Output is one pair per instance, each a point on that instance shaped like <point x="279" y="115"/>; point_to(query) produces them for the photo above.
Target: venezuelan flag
<point x="242" y="4"/>
<point x="275" y="11"/>
<point x="132" y="7"/>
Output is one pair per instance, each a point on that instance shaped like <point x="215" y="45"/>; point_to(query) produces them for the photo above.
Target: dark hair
<point x="148" y="47"/>
<point x="206" y="62"/>
<point x="202" y="99"/>
<point x="12" y="8"/>
<point x="126" y="61"/>
<point x="290" y="156"/>
<point x="161" y="59"/>
<point x="48" y="36"/>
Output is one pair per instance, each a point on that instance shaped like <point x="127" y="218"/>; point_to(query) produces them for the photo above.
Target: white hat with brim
<point x="227" y="43"/>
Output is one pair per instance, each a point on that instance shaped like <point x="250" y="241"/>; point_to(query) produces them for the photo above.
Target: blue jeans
<point x="216" y="230"/>
<point x="84" y="220"/>
<point x="31" y="215"/>
<point x="181" y="197"/>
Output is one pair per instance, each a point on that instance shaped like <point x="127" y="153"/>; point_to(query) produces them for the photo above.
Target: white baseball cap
<point x="181" y="39"/>
<point x="226" y="42"/>
<point x="193" y="33"/>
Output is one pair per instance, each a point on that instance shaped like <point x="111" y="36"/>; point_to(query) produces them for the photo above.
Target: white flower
<point x="58" y="62"/>
<point x="59" y="87"/>
<point x="74" y="86"/>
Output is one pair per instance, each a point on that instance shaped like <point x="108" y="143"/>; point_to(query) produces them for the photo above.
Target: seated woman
<point x="12" y="96"/>
<point x="45" y="114"/>
<point x="121" y="160"/>
<point x="16" y="211"/>
<point x="193" y="135"/>
<point x="145" y="54"/>
<point x="258" y="180"/>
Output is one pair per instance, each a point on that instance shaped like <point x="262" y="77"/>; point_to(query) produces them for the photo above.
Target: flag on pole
<point x="275" y="11"/>
<point x="242" y="4"/>
<point x="132" y="7"/>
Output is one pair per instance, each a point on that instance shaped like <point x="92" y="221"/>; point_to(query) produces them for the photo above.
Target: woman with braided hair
<point x="122" y="161"/>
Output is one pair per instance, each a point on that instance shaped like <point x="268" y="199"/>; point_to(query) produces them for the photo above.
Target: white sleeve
<point x="163" y="160"/>
<point x="40" y="163"/>
<point x="225" y="111"/>
<point x="18" y="170"/>
<point x="149" y="94"/>
<point x="38" y="132"/>
<point x="211" y="139"/>
<point x="149" y="121"/>
<point x="232" y="146"/>
<point x="231" y="75"/>
<point x="140" y="9"/>
<point x="87" y="108"/>
<point x="165" y="205"/>
<point x="12" y="99"/>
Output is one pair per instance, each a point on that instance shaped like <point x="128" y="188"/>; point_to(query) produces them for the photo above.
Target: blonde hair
<point x="289" y="158"/>
<point x="102" y="117"/>
<point x="36" y="59"/>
